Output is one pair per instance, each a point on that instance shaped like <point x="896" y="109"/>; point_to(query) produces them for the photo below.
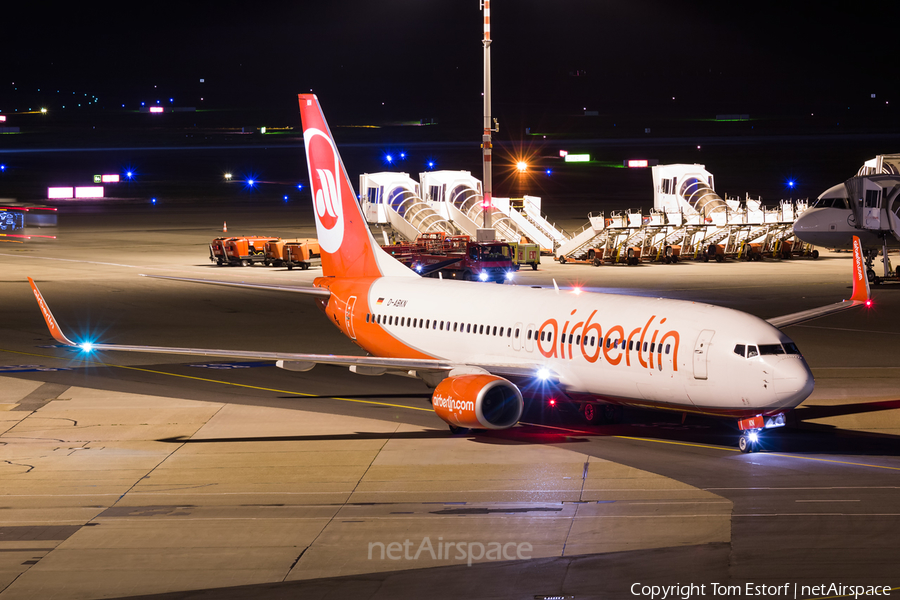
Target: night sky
<point x="412" y="59"/>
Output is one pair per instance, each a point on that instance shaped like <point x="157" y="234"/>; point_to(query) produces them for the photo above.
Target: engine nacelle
<point x="478" y="401"/>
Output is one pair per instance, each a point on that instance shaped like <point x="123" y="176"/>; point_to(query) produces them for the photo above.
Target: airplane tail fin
<point x="347" y="246"/>
<point x="860" y="281"/>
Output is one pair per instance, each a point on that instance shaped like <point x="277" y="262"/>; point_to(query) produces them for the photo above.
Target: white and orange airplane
<point x="480" y="346"/>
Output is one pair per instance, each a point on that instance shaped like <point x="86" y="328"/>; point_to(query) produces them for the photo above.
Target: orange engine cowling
<point x="478" y="402"/>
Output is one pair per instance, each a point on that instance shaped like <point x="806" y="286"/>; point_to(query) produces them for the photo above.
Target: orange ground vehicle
<point x="217" y="250"/>
<point x="275" y="250"/>
<point x="302" y="253"/>
<point x="245" y="250"/>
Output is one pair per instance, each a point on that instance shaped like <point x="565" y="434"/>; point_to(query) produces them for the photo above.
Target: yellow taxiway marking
<point x="579" y="431"/>
<point x="242" y="385"/>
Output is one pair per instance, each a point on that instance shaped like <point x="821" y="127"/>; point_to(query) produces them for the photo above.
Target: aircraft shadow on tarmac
<point x="799" y="437"/>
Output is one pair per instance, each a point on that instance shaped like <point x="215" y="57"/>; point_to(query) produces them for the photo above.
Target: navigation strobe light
<point x="483" y="276"/>
<point x="87" y="347"/>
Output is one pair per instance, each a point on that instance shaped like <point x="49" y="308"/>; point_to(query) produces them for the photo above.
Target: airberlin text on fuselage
<point x="642" y="345"/>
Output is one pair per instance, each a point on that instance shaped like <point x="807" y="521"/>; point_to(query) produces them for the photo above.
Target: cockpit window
<point x="765" y="349"/>
<point x="832" y="203"/>
<point x="740" y="349"/>
<point x="791" y="348"/>
<point x="752" y="351"/>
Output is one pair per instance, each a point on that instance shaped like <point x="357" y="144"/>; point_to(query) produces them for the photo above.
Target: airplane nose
<point x="793" y="381"/>
<point x="812" y="221"/>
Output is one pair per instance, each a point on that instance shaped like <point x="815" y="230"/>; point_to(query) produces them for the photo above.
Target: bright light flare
<point x="543" y="374"/>
<point x="552" y="402"/>
<point x="868" y="303"/>
<point x="228" y="176"/>
<point x="753" y="437"/>
<point x="510" y="275"/>
<point x="522" y="166"/>
<point x="576" y="290"/>
<point x="87" y="347"/>
<point x="483" y="276"/>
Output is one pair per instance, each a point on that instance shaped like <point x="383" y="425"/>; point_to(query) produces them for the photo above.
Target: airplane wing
<point x="860" y="295"/>
<point x="309" y="291"/>
<point x="370" y="365"/>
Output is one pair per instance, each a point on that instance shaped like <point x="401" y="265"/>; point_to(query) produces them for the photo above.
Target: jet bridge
<point x="393" y="199"/>
<point x="875" y="207"/>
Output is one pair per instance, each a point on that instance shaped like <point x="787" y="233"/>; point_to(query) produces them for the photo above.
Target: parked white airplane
<point x="867" y="206"/>
<point x="482" y="345"/>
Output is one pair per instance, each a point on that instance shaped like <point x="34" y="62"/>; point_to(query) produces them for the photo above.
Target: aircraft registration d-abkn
<point x="595" y="349"/>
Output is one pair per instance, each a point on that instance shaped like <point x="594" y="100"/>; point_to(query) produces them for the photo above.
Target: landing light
<point x="543" y="374"/>
<point x="510" y="275"/>
<point x="753" y="437"/>
<point x="227" y="176"/>
<point x="483" y="276"/>
<point x="576" y="290"/>
<point x="522" y="166"/>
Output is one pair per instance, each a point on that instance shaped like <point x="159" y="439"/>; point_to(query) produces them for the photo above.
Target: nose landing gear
<point x="749" y="441"/>
<point x="750" y="428"/>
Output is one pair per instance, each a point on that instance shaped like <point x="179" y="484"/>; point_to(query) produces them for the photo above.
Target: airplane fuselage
<point x="834" y="228"/>
<point x="625" y="349"/>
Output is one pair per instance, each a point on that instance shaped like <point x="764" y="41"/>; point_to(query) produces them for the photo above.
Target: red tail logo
<point x="326" y="189"/>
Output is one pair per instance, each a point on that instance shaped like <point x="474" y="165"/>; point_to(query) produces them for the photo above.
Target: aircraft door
<point x="530" y="333"/>
<point x="518" y="333"/>
<point x="701" y="350"/>
<point x="348" y="317"/>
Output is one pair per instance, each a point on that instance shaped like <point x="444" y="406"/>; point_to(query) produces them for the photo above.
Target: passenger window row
<point x="434" y="324"/>
<point x="545" y="336"/>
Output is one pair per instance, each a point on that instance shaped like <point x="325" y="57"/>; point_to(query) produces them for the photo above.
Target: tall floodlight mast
<point x="489" y="126"/>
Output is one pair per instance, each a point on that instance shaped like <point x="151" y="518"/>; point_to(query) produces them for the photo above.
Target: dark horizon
<point x="405" y="60"/>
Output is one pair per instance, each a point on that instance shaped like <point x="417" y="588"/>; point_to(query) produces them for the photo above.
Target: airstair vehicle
<point x="689" y="220"/>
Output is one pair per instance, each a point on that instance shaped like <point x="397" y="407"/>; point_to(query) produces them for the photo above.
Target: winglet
<point x="860" y="281"/>
<point x="52" y="325"/>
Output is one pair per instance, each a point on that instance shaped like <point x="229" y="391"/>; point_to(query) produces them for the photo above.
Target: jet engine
<point x="478" y="401"/>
